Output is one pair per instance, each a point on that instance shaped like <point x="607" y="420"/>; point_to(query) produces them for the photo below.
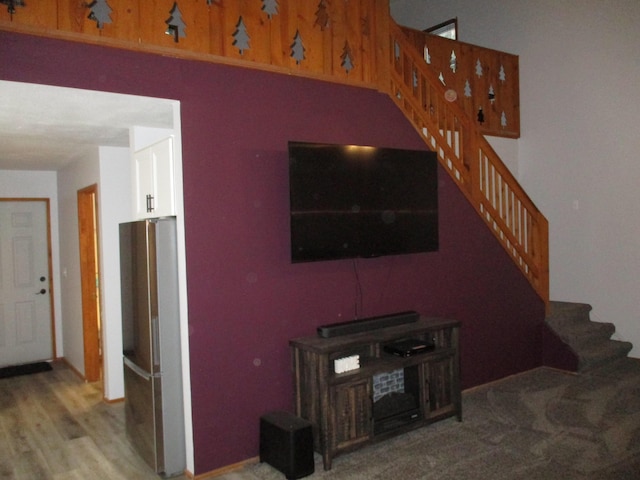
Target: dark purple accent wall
<point x="246" y="300"/>
<point x="556" y="353"/>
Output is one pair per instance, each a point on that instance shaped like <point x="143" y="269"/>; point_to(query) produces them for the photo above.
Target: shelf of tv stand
<point x="388" y="362"/>
<point x="340" y="405"/>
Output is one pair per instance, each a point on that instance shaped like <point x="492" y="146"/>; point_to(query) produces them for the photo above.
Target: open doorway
<point x="55" y="154"/>
<point x="447" y="29"/>
<point x="90" y="282"/>
<point x="67" y="139"/>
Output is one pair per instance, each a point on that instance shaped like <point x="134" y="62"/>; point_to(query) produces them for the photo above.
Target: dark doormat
<point x="27" y="369"/>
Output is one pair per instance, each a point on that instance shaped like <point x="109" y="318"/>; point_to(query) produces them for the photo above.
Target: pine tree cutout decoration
<point x="427" y="55"/>
<point x="322" y="16"/>
<point x="12" y="4"/>
<point x="478" y="68"/>
<point x="100" y="12"/>
<point x="453" y="62"/>
<point x="347" y="61"/>
<point x="241" y="37"/>
<point x="492" y="94"/>
<point x="175" y="24"/>
<point x="297" y="48"/>
<point x="503" y="120"/>
<point x="501" y="75"/>
<point x="467" y="89"/>
<point x="270" y="7"/>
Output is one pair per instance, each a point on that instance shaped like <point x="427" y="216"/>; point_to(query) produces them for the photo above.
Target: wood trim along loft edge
<point x="175" y="53"/>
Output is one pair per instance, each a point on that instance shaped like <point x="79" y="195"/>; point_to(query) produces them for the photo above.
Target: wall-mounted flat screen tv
<point x="349" y="201"/>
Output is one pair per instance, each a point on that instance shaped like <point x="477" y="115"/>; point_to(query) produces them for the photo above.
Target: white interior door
<point x="25" y="300"/>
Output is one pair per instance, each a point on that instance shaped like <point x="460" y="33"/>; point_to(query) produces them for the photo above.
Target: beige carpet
<point x="543" y="424"/>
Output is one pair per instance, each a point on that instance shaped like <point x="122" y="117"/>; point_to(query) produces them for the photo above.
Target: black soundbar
<point x="366" y="324"/>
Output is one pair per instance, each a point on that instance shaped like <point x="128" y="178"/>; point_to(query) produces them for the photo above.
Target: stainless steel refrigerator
<point x="151" y="343"/>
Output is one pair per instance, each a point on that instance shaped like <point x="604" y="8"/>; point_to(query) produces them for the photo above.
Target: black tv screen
<point x="349" y="201"/>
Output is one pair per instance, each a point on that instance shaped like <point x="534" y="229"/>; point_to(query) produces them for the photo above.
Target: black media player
<point x="408" y="348"/>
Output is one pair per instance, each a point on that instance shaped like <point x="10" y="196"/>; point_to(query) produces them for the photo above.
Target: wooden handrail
<point x="470" y="161"/>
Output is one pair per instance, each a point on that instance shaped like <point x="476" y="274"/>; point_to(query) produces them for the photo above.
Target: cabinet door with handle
<point x="153" y="177"/>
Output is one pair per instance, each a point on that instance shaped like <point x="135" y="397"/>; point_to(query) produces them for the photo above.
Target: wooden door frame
<point x="47" y="207"/>
<point x="90" y="284"/>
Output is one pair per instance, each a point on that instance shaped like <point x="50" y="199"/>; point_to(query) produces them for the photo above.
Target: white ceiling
<point x="46" y="128"/>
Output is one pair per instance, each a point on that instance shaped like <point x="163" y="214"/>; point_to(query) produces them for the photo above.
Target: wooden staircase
<point x="469" y="159"/>
<point x="355" y="43"/>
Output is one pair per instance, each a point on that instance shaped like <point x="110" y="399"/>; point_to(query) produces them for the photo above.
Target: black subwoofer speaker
<point x="286" y="443"/>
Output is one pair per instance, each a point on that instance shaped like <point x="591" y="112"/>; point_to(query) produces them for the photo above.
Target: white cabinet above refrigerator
<point x="153" y="180"/>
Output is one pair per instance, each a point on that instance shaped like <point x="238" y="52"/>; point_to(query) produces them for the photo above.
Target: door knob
<point x="41" y="292"/>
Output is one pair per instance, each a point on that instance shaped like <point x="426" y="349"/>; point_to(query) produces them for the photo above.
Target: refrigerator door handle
<point x="156" y="344"/>
<point x="136" y="369"/>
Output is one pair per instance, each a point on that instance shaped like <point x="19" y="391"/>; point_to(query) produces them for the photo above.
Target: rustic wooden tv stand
<point x="341" y="405"/>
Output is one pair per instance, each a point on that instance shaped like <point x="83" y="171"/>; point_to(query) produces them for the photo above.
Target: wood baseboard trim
<point x="111" y="401"/>
<point x="229" y="468"/>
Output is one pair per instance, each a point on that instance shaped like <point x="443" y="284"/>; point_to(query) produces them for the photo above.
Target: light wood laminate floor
<point x="54" y="426"/>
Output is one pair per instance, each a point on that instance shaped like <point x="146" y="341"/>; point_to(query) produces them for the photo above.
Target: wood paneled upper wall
<point x="338" y="39"/>
<point x="452" y="92"/>
<point x="343" y="41"/>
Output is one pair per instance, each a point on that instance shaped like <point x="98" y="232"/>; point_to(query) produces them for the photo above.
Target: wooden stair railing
<point x="384" y="57"/>
<point x="471" y="162"/>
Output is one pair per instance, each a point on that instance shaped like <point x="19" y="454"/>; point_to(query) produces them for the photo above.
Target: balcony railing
<point x="485" y="81"/>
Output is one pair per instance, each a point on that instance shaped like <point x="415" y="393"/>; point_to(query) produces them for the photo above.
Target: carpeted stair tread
<point x="574" y="327"/>
<point x="565" y="312"/>
<point x="590" y="341"/>
<point x="585" y="333"/>
<point x="556" y="307"/>
<point x="601" y="353"/>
